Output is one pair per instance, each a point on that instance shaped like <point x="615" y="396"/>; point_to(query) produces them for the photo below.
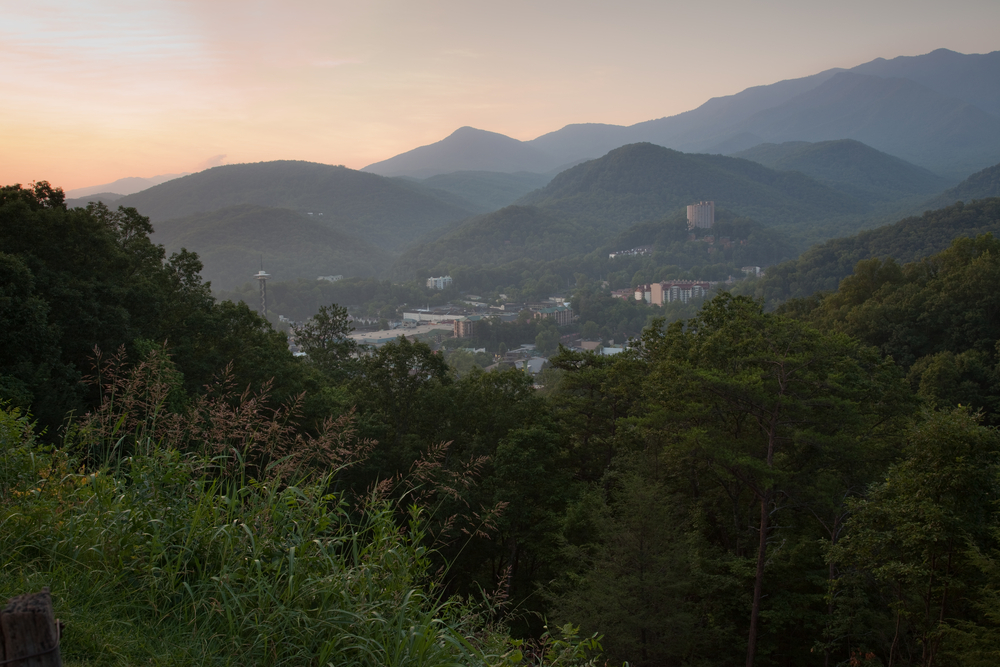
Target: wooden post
<point x="29" y="633"/>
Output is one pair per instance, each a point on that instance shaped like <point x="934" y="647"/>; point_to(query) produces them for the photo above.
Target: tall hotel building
<point x="701" y="215"/>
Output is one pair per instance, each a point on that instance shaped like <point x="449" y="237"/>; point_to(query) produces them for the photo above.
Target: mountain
<point x="896" y="116"/>
<point x="232" y="241"/>
<point x="106" y="197"/>
<point x="822" y="267"/>
<point x="971" y="77"/>
<point x="645" y="181"/>
<point x="123" y="186"/>
<point x="488" y="190"/>
<point x="387" y="213"/>
<point x="940" y="111"/>
<point x="981" y="185"/>
<point x="466" y="149"/>
<point x="590" y="204"/>
<point x="849" y="166"/>
<point x="510" y="234"/>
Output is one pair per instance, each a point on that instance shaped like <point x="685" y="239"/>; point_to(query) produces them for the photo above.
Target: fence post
<point x="29" y="633"/>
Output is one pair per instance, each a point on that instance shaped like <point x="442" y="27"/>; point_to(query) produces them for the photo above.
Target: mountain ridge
<point x="957" y="96"/>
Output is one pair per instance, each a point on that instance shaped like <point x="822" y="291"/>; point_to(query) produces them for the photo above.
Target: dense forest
<point x="823" y="266"/>
<point x="817" y="485"/>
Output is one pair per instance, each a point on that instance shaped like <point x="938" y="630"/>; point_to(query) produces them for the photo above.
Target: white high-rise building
<point x="439" y="283"/>
<point x="701" y="215"/>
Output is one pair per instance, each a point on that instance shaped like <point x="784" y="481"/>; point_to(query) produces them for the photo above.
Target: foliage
<point x="981" y="185"/>
<point x="908" y="542"/>
<point x="644" y="181"/>
<point x="232" y="242"/>
<point x="325" y="339"/>
<point x="937" y="318"/>
<point x="86" y="278"/>
<point x="386" y="212"/>
<point x="823" y="266"/>
<point x="851" y="167"/>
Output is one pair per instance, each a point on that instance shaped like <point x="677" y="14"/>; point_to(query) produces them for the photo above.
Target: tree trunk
<point x="758" y="581"/>
<point x="30" y="633"/>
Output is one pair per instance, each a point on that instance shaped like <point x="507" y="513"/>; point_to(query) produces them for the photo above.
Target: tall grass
<point x="209" y="535"/>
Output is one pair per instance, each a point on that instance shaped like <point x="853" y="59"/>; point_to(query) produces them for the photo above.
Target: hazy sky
<point x="97" y="90"/>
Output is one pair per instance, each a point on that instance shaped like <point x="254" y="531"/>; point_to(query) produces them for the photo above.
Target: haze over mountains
<point x="123" y="186"/>
<point x="940" y="111"/>
<point x="809" y="159"/>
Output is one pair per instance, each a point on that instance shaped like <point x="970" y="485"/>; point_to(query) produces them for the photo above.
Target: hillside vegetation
<point x="851" y="167"/>
<point x="981" y="185"/>
<point x="823" y="266"/>
<point x="644" y="181"/>
<point x="232" y="242"/>
<point x="510" y="234"/>
<point x="488" y="190"/>
<point x="387" y="213"/>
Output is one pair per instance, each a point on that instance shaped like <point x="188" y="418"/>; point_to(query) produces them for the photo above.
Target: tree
<point x="915" y="536"/>
<point x="324" y="338"/>
<point x="760" y="398"/>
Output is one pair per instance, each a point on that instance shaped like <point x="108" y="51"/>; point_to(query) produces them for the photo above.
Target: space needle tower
<point x="262" y="278"/>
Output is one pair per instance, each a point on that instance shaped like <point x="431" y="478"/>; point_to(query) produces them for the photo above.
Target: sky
<point x="97" y="90"/>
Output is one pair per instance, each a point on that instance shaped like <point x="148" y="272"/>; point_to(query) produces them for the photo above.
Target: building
<point x="439" y="283"/>
<point x="678" y="290"/>
<point x="561" y="314"/>
<point x="465" y="327"/>
<point x="331" y="279"/>
<point x="701" y="215"/>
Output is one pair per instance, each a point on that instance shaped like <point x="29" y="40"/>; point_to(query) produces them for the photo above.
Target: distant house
<point x="331" y="279"/>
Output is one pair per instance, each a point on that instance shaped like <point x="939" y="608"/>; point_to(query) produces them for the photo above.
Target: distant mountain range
<point x="122" y="187"/>
<point x="940" y="111"/>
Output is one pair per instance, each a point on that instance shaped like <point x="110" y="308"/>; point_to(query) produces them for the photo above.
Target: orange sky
<point x="97" y="90"/>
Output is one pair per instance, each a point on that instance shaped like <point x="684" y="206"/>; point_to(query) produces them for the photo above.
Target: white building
<point x="439" y="283"/>
<point x="701" y="215"/>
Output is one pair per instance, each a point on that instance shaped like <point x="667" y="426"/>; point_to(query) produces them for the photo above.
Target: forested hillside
<point x="388" y="213"/>
<point x="945" y="315"/>
<point x="823" y="266"/>
<point x="489" y="190"/>
<point x="981" y="185"/>
<point x="643" y="181"/>
<point x="851" y="167"/>
<point x="232" y="242"/>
